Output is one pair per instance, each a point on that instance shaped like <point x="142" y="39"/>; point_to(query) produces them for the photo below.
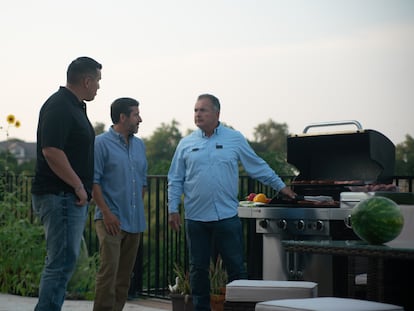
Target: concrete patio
<point x="18" y="303"/>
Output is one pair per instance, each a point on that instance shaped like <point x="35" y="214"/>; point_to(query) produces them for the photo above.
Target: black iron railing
<point x="161" y="247"/>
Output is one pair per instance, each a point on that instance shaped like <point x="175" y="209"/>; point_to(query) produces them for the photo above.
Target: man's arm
<point x="59" y="164"/>
<point x="111" y="222"/>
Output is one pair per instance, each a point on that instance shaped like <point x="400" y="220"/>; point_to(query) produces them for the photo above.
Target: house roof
<point x="13" y="144"/>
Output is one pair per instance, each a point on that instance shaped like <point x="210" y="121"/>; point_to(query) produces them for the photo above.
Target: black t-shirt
<point x="63" y="124"/>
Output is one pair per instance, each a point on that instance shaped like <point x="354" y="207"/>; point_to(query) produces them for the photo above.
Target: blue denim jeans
<point x="64" y="222"/>
<point x="226" y="236"/>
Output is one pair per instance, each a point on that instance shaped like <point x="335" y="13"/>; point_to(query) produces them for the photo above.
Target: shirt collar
<point x="116" y="135"/>
<point x="76" y="101"/>
<point x="215" y="132"/>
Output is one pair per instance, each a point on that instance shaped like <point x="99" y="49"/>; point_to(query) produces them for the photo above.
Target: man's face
<point x="92" y="85"/>
<point x="132" y="122"/>
<point x="205" y="116"/>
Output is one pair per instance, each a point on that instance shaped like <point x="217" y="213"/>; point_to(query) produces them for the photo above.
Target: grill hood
<point x="361" y="155"/>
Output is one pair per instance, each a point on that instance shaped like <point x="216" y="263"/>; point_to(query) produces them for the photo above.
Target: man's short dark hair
<point x="214" y="100"/>
<point x="122" y="105"/>
<point x="81" y="67"/>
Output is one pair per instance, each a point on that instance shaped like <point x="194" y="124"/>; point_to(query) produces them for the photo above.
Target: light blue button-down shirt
<point x="206" y="170"/>
<point x="121" y="171"/>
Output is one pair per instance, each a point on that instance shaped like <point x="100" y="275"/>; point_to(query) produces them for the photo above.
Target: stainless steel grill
<point x="287" y="223"/>
<point x="329" y="164"/>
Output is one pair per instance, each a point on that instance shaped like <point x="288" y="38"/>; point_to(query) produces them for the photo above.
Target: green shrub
<point x="82" y="283"/>
<point x="23" y="251"/>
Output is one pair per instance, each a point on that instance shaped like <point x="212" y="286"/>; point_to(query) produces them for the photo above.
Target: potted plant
<point x="180" y="292"/>
<point x="218" y="281"/>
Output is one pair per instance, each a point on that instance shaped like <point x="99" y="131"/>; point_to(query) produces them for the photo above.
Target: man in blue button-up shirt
<point x="205" y="168"/>
<point x="120" y="181"/>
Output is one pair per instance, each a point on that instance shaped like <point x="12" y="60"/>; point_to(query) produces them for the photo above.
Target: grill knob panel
<point x="264" y="223"/>
<point x="282" y="224"/>
<point x="300" y="225"/>
<point x="320" y="225"/>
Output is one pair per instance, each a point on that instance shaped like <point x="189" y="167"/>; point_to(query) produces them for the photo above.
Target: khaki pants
<point x="117" y="255"/>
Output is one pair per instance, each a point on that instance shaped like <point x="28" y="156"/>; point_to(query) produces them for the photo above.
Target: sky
<point x="297" y="62"/>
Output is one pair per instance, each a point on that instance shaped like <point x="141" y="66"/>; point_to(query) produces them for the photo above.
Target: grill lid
<point x="360" y="155"/>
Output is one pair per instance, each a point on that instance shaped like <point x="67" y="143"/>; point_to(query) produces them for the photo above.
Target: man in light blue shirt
<point x="205" y="168"/>
<point x="120" y="180"/>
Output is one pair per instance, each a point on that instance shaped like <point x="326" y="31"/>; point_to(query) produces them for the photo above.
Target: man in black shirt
<point x="62" y="185"/>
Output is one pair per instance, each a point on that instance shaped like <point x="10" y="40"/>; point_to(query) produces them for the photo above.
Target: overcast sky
<point x="294" y="61"/>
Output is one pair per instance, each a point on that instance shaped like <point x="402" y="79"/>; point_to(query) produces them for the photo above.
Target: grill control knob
<point x="319" y="225"/>
<point x="300" y="225"/>
<point x="263" y="223"/>
<point x="282" y="224"/>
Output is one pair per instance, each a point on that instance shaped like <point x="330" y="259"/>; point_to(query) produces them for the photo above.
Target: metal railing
<point x="161" y="247"/>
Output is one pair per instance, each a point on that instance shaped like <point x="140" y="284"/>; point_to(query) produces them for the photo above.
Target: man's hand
<point x="174" y="221"/>
<point x="82" y="196"/>
<point x="288" y="192"/>
<point x="112" y="223"/>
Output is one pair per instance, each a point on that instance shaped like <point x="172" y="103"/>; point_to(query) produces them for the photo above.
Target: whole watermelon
<point x="377" y="220"/>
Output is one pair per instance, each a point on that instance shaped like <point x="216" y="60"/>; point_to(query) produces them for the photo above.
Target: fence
<point x="161" y="247"/>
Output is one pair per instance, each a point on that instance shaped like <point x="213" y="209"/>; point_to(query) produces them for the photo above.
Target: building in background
<point x="21" y="150"/>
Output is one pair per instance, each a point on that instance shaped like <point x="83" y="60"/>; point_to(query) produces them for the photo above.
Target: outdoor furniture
<point x="242" y="295"/>
<point x="400" y="251"/>
<point x="325" y="304"/>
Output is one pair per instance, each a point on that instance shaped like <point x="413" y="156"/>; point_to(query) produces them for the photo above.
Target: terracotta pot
<point x="217" y="302"/>
<point x="181" y="302"/>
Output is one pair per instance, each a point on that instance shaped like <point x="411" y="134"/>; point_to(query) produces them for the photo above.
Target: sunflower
<point x="17" y="124"/>
<point x="11" y="119"/>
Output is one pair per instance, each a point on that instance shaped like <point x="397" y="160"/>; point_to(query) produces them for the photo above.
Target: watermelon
<point x="377" y="220"/>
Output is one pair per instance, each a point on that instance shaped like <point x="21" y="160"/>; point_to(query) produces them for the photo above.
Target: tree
<point x="161" y="147"/>
<point x="99" y="128"/>
<point x="404" y="157"/>
<point x="270" y="136"/>
<point x="270" y="144"/>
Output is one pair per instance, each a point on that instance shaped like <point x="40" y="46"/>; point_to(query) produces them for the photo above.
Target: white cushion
<point x="325" y="304"/>
<point x="258" y="290"/>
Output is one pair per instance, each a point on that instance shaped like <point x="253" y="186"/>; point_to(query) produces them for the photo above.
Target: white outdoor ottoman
<point x="325" y="304"/>
<point x="242" y="295"/>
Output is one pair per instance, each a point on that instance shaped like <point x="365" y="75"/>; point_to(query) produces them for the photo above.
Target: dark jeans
<point x="63" y="222"/>
<point x="226" y="236"/>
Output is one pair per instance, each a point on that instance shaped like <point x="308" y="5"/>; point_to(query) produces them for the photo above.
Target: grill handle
<point x="333" y="123"/>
